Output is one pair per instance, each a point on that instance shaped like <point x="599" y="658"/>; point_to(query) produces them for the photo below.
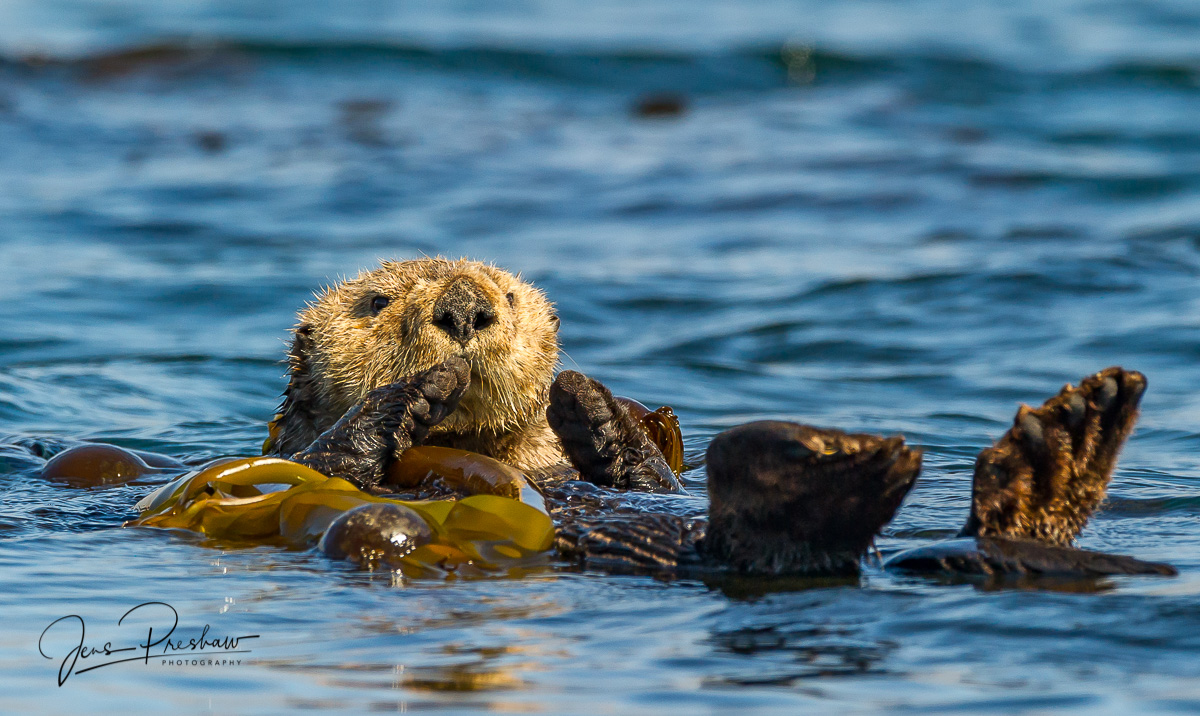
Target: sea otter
<point x="358" y="346"/>
<point x="462" y="354"/>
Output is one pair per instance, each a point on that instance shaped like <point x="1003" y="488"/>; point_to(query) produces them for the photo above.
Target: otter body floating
<point x="995" y="557"/>
<point x="785" y="499"/>
<point x="460" y="356"/>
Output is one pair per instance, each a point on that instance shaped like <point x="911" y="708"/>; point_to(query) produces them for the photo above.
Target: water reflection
<point x="750" y="588"/>
<point x="784" y="656"/>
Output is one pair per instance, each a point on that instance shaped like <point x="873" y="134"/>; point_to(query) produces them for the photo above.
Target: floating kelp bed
<point x="271" y="501"/>
<point x="502" y="523"/>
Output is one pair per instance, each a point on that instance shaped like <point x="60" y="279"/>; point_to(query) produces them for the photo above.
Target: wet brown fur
<point x="789" y="498"/>
<point x="342" y="350"/>
<point x="1050" y="471"/>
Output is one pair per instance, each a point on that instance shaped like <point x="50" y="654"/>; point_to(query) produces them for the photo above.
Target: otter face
<point x="408" y="316"/>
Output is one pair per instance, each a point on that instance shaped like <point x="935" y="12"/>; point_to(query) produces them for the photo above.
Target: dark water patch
<point x="1044" y="233"/>
<point x="1165" y="140"/>
<point x="1183" y="341"/>
<point x="667" y="304"/>
<point x="1160" y="75"/>
<point x="1127" y="507"/>
<point x="975" y="289"/>
<point x="965" y="418"/>
<point x="839" y="351"/>
<point x="24" y="456"/>
<point x="629" y="69"/>
<point x="938" y="77"/>
<point x="1188" y="232"/>
<point x="924" y="534"/>
<point x="1131" y="187"/>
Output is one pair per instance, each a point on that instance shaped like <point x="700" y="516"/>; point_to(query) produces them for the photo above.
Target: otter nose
<point x="462" y="311"/>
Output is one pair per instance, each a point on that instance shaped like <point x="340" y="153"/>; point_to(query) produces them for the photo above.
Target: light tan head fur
<point x="380" y="327"/>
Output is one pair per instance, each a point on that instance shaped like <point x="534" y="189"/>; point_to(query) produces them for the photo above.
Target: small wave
<point x="753" y="69"/>
<point x="761" y="67"/>
<point x="1130" y="507"/>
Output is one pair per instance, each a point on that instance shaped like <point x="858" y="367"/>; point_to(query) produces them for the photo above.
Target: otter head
<point x="407" y="316"/>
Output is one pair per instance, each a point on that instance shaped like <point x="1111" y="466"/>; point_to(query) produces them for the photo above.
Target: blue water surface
<point x="894" y="217"/>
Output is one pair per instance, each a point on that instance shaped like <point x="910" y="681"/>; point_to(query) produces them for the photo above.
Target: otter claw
<point x="1031" y="429"/>
<point x="1076" y="408"/>
<point x="441" y="387"/>
<point x="1106" y="394"/>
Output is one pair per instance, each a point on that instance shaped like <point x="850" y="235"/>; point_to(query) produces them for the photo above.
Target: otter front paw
<point x="437" y="392"/>
<point x="1050" y="471"/>
<point x="388" y="421"/>
<point x="602" y="440"/>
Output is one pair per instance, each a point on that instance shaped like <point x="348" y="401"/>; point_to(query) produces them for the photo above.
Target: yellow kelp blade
<point x="232" y="476"/>
<point x="662" y="426"/>
<point x="482" y="517"/>
<point x="275" y="501"/>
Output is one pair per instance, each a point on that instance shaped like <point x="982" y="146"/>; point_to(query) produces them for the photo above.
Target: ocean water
<point x="893" y="217"/>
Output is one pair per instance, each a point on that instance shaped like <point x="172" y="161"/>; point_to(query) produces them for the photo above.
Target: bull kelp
<point x="265" y="500"/>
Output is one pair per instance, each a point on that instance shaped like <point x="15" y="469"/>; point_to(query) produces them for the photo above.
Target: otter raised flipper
<point x="1050" y="471"/>
<point x="348" y="411"/>
<point x="1035" y="489"/>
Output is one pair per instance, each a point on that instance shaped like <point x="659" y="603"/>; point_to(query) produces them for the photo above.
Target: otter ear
<point x="294" y="426"/>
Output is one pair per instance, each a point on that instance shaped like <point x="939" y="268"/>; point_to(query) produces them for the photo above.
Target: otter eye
<point x="378" y="304"/>
<point x="511" y="298"/>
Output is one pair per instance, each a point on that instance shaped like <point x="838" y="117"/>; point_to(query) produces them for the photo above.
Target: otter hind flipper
<point x="1002" y="557"/>
<point x="788" y="498"/>
<point x="1047" y="475"/>
<point x="388" y="421"/>
<point x="602" y="440"/>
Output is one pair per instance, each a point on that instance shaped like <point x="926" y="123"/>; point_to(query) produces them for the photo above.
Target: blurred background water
<point x="901" y="217"/>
